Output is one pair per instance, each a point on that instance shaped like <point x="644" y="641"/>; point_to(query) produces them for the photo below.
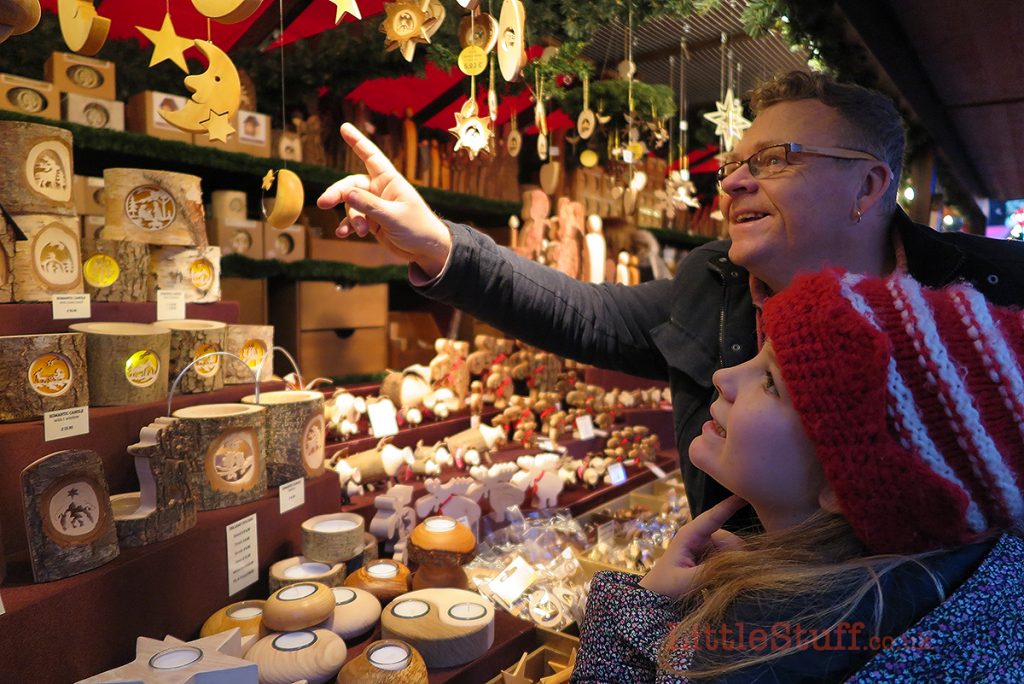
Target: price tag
<point x="65" y="423"/>
<point x="658" y="472"/>
<point x="627" y="156"/>
<point x="243" y="554"/>
<point x="606" y="532"/>
<point x="617" y="473"/>
<point x="513" y="581"/>
<point x="474" y="421"/>
<point x="383" y="418"/>
<point x="585" y="426"/>
<point x="292" y="494"/>
<point x="71" y="306"/>
<point x="170" y="305"/>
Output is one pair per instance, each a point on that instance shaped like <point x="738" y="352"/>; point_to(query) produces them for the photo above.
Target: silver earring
<point x="859" y="214"/>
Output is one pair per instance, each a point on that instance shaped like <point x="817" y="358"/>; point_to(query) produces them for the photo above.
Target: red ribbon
<point x="440" y="508"/>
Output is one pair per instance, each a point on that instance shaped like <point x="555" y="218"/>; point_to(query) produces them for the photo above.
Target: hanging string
<point x="684" y="124"/>
<point x="671" y="133"/>
<point x="630" y="67"/>
<point x="280" y="28"/>
<point x="721" y="69"/>
<point x="729" y="56"/>
<point x="209" y="31"/>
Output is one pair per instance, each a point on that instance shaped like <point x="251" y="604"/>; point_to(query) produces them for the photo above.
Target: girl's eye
<point x="769" y="383"/>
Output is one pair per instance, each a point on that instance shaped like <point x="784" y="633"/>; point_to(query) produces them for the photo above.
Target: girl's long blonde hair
<point x="814" y="575"/>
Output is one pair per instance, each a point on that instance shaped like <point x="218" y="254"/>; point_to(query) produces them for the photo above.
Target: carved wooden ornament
<point x="216" y="96"/>
<point x="227" y="11"/>
<point x="472" y="132"/>
<point x="511" y="23"/>
<point x="288" y="200"/>
<point x="83" y="29"/>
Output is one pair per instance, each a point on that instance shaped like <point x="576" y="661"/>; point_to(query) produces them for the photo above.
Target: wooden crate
<point x="356" y="351"/>
<point x="71" y="73"/>
<point x="27" y="96"/>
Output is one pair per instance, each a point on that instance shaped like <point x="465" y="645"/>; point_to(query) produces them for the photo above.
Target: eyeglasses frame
<point x="831" y="152"/>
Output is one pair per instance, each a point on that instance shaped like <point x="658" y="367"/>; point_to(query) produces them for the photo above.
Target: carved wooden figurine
<point x="456" y="498"/>
<point x="395" y="518"/>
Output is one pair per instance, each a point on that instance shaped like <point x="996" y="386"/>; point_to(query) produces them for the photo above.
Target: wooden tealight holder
<point x="250" y="343"/>
<point x="158" y="207"/>
<point x="387" y="661"/>
<point x="192" y="270"/>
<point x="245" y="616"/>
<point x="36" y="176"/>
<point x="49" y="261"/>
<point x="440" y="546"/>
<point x="6" y="260"/>
<point x="190" y="340"/>
<point x="355" y="612"/>
<point x="299" y="569"/>
<point x="41" y="373"/>
<point x="215" y="658"/>
<point x="68" y="518"/>
<point x="298" y="606"/>
<point x="127" y="362"/>
<point x="307" y="655"/>
<point x="448" y="627"/>
<point x="384" y="578"/>
<point x="225" y="458"/>
<point x="115" y="271"/>
<point x="333" y="537"/>
<point x="164" y="506"/>
<point x="296" y="430"/>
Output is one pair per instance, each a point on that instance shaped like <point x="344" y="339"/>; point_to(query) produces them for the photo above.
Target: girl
<point x="879" y="436"/>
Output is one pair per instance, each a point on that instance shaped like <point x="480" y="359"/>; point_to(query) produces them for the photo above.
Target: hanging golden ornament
<point x="83" y="30"/>
<point x="227" y="11"/>
<point x="409" y="23"/>
<point x="216" y="95"/>
<point x="492" y="95"/>
<point x="472" y="132"/>
<point x="511" y="46"/>
<point x="514" y="139"/>
<point x="167" y="44"/>
<point x="480" y="30"/>
<point x="288" y="200"/>
<point x="587" y="120"/>
<point x="589" y="159"/>
<point x="472" y="60"/>
<point x="343" y="7"/>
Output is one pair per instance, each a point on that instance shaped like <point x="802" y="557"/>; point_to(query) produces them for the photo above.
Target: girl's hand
<point x="674" y="573"/>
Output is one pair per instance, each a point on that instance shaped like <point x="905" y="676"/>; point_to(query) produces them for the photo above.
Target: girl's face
<point x="755" y="445"/>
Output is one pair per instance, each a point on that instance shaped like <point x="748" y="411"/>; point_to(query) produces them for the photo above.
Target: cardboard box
<point x="26" y="96"/>
<point x="229" y="205"/>
<point x="236" y="236"/>
<point x="253" y="133"/>
<point x="72" y="73"/>
<point x="88" y="195"/>
<point x="92" y="111"/>
<point x="143" y="115"/>
<point x="286" y="145"/>
<point x="284" y="245"/>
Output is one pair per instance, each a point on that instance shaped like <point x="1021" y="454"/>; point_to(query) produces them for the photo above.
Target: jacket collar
<point x="931" y="260"/>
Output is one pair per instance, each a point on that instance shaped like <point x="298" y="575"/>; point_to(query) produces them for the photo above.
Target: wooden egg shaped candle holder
<point x="191" y="339"/>
<point x="164" y="506"/>
<point x="313" y="656"/>
<point x="245" y="616"/>
<point x="68" y="520"/>
<point x="356" y="612"/>
<point x="388" y="661"/>
<point x="225" y="457"/>
<point x="115" y="271"/>
<point x="37" y="176"/>
<point x="299" y="569"/>
<point x="384" y="578"/>
<point x="249" y="343"/>
<point x="127" y="362"/>
<point x="41" y="373"/>
<point x="215" y="658"/>
<point x="156" y="207"/>
<point x="49" y="260"/>
<point x="298" y="606"/>
<point x="448" y="627"/>
<point x="333" y="537"/>
<point x="192" y="270"/>
<point x="440" y="546"/>
<point x="296" y="430"/>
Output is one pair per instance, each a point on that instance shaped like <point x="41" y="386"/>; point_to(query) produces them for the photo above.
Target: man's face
<point x="788" y="222"/>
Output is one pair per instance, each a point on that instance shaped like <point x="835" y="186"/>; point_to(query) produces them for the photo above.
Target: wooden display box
<point x="341" y="353"/>
<point x="284" y="245"/>
<point x="229" y="205"/>
<point x="237" y="236"/>
<point x="91" y="227"/>
<point x="72" y="73"/>
<point x="286" y="145"/>
<point x="253" y="136"/>
<point x="87" y="192"/>
<point x="143" y="115"/>
<point x="323" y="305"/>
<point x="351" y="250"/>
<point x="93" y="111"/>
<point x="25" y="96"/>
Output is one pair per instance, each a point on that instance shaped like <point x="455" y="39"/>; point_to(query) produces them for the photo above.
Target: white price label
<point x="474" y="421"/>
<point x="71" y="306"/>
<point x="627" y="156"/>
<point x="383" y="418"/>
<point x="170" y="305"/>
<point x="585" y="426"/>
<point x="617" y="473"/>
<point x="514" y="580"/>
<point x="243" y="554"/>
<point x="292" y="494"/>
<point x="606" y="532"/>
<point x="658" y="472"/>
<point x="65" y="423"/>
<point x="554" y="153"/>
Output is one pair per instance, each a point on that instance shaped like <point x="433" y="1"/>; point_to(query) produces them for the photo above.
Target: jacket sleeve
<point x="604" y="325"/>
<point x="622" y="631"/>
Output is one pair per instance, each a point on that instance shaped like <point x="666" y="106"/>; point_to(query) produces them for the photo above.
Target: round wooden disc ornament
<point x="333" y="537"/>
<point x="550" y="174"/>
<point x="384" y="578"/>
<point x="355" y="612"/>
<point x="298" y="606"/>
<point x="388" y="661"/>
<point x="542" y="146"/>
<point x="314" y="656"/>
<point x="514" y="143"/>
<point x="589" y="159"/>
<point x="585" y="123"/>
<point x="480" y="30"/>
<point x="299" y="569"/>
<point x="511" y="22"/>
<point x="441" y="546"/>
<point x="472" y="60"/>
<point x="448" y="627"/>
<point x="288" y="200"/>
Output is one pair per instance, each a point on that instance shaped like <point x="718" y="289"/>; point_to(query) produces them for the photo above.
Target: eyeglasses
<point x="768" y="161"/>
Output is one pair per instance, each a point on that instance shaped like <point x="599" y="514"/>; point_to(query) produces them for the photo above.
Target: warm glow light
<point x="947" y="220"/>
<point x="909" y="194"/>
<point x="439" y="524"/>
<point x="382" y="570"/>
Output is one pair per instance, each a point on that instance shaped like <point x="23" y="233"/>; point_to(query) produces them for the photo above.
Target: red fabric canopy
<point x="319" y="17"/>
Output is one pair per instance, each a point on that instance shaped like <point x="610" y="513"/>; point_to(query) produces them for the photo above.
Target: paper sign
<point x="658" y="472"/>
<point x="383" y="418"/>
<point x="617" y="473"/>
<point x="585" y="426"/>
<point x="65" y="423"/>
<point x="606" y="532"/>
<point x="170" y="305"/>
<point x="71" y="306"/>
<point x="243" y="554"/>
<point x="514" y="580"/>
<point x="292" y="494"/>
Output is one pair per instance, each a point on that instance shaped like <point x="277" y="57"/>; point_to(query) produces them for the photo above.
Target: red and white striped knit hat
<point x="914" y="400"/>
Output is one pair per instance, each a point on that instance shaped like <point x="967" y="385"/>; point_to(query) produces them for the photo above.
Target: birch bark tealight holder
<point x="440" y="546"/>
<point x="115" y="271"/>
<point x="127" y="362"/>
<point x="448" y="627"/>
<point x="250" y="343"/>
<point x="192" y="270"/>
<point x="49" y="260"/>
<point x="37" y="176"/>
<point x="296" y="430"/>
<point x="384" y="578"/>
<point x="192" y="339"/>
<point x="313" y="656"/>
<point x="355" y="612"/>
<point x="333" y="537"/>
<point x="388" y="661"/>
<point x="41" y="373"/>
<point x="156" y="207"/>
<point x="299" y="569"/>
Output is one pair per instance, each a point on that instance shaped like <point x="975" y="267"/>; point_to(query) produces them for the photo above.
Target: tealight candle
<point x="306" y="570"/>
<point x="293" y="641"/>
<point x="410" y="609"/>
<point x="389" y="656"/>
<point x="296" y="592"/>
<point x="467" y="611"/>
<point x="175" y="657"/>
<point x="336" y="525"/>
<point x="245" y="613"/>
<point x="343" y="595"/>
<point x="382" y="570"/>
<point x="439" y="524"/>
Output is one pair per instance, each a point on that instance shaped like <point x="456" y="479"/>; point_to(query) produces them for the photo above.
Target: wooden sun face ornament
<point x="472" y="132"/>
<point x="216" y="96"/>
<point x="227" y="11"/>
<point x="84" y="31"/>
<point x="17" y="17"/>
<point x="410" y="22"/>
<point x="287" y="202"/>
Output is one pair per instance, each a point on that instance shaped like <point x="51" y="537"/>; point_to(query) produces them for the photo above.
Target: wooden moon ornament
<point x="355" y="612"/>
<point x="83" y="29"/>
<point x="296" y="430"/>
<point x="333" y="537"/>
<point x="227" y="11"/>
<point x="448" y="627"/>
<point x="17" y="17"/>
<point x="298" y="606"/>
<point x="387" y="661"/>
<point x="288" y="200"/>
<point x="216" y="96"/>
<point x="191" y="340"/>
<point x="313" y="656"/>
<point x="127" y="362"/>
<point x="299" y="569"/>
<point x="214" y="658"/>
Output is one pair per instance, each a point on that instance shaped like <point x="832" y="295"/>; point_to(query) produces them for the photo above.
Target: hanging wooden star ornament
<point x="167" y="44"/>
<point x="343" y="7"/>
<point x="83" y="30"/>
<point x="472" y="132"/>
<point x="728" y="120"/>
<point x="216" y="96"/>
<point x="409" y="23"/>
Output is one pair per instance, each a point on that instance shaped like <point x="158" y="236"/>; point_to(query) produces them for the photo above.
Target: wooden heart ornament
<point x="550" y="175"/>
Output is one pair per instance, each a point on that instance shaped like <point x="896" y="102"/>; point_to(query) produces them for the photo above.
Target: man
<point x="812" y="184"/>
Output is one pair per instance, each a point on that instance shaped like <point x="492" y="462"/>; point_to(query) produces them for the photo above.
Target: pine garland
<point x="345" y="274"/>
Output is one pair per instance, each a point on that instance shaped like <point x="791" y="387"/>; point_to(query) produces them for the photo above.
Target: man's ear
<point x="874" y="186"/>
<point x="828" y="500"/>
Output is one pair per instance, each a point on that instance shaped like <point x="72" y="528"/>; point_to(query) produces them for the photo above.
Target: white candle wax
<point x="467" y="611"/>
<point x="382" y="570"/>
<point x="389" y="657"/>
<point x="293" y="641"/>
<point x="343" y="595"/>
<point x="410" y="609"/>
<point x="175" y="657"/>
<point x="337" y="525"/>
<point x="245" y="613"/>
<point x="306" y="570"/>
<point x="296" y="592"/>
<point x="439" y="524"/>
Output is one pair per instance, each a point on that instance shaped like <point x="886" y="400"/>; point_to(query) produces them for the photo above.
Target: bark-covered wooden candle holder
<point x="192" y="339"/>
<point x="127" y="362"/>
<point x="37" y="174"/>
<point x="41" y="373"/>
<point x="49" y="260"/>
<point x="333" y="537"/>
<point x="448" y="627"/>
<point x="156" y="207"/>
<point x="440" y="546"/>
<point x="249" y="343"/>
<point x="192" y="270"/>
<point x="296" y="431"/>
<point x="115" y="270"/>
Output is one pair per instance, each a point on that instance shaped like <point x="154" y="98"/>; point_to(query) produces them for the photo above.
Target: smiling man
<point x="812" y="184"/>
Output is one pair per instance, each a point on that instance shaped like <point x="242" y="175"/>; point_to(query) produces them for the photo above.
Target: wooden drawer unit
<point x="323" y="305"/>
<point x="331" y="352"/>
